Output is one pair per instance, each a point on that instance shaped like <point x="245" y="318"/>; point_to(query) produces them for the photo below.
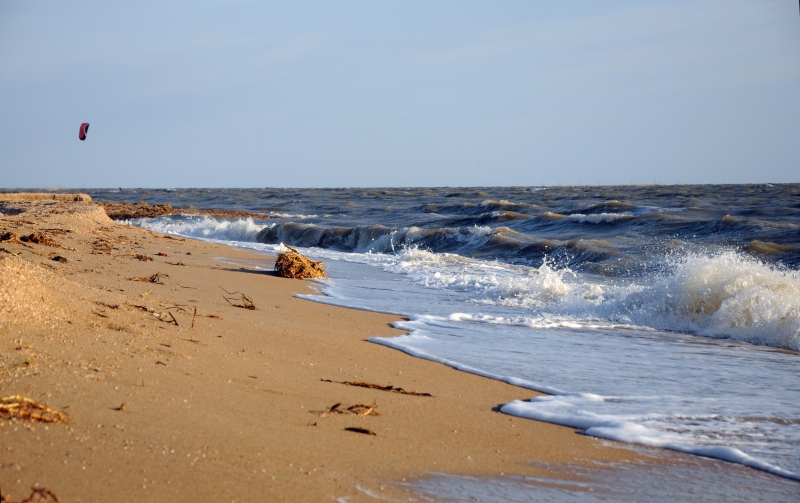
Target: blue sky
<point x="332" y="94"/>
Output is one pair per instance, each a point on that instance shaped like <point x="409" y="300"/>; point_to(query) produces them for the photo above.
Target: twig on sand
<point x="155" y="278"/>
<point x="243" y="301"/>
<point x="166" y="317"/>
<point x="361" y="430"/>
<point x="38" y="494"/>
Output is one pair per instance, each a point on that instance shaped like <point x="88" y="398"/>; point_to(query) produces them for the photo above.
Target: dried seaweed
<point x="40" y="238"/>
<point x="12" y="237"/>
<point x="18" y="407"/>
<point x="102" y="246"/>
<point x="389" y="388"/>
<point x="138" y="256"/>
<point x="242" y="301"/>
<point x="292" y="264"/>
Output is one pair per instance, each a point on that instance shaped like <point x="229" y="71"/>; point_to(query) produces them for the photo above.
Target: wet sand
<point x="230" y="404"/>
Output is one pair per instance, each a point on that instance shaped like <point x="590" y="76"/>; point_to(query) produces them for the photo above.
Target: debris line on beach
<point x="292" y="264"/>
<point x="128" y="211"/>
<point x="19" y="407"/>
<point x="370" y="385"/>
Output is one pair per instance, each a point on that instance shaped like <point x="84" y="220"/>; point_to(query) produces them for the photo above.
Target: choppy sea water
<point x="658" y="315"/>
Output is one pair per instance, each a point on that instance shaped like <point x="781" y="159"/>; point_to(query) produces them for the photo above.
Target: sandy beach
<point x="173" y="393"/>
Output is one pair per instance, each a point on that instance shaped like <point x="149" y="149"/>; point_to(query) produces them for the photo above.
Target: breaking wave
<point x="242" y="229"/>
<point x="727" y="295"/>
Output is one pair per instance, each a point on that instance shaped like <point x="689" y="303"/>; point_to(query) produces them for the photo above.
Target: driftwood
<point x="292" y="264"/>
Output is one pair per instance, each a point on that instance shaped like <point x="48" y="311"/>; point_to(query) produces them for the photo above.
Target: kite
<point x="84" y="129"/>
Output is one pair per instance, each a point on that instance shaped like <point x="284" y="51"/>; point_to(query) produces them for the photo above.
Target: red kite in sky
<point x="83" y="131"/>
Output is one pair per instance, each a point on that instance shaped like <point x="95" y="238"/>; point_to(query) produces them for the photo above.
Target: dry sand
<point x="234" y="408"/>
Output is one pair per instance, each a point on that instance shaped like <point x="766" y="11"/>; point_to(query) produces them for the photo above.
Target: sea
<point x="655" y="315"/>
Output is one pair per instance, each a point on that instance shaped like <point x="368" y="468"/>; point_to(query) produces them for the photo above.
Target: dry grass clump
<point x="19" y="407"/>
<point x="292" y="264"/>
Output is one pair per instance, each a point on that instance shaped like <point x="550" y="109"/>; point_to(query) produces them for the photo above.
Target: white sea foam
<point x="501" y="202"/>
<point x="241" y="229"/>
<point x="645" y="387"/>
<point x="294" y="216"/>
<point x="597" y="218"/>
<point x="570" y="410"/>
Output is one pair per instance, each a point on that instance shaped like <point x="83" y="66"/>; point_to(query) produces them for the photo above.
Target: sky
<point x="398" y="93"/>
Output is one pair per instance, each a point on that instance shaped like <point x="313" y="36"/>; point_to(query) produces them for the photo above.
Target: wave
<point x="727" y="295"/>
<point x="242" y="229"/>
<point x="610" y="207"/>
<point x="383" y="239"/>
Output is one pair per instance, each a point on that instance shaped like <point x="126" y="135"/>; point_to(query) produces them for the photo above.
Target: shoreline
<point x="236" y="407"/>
